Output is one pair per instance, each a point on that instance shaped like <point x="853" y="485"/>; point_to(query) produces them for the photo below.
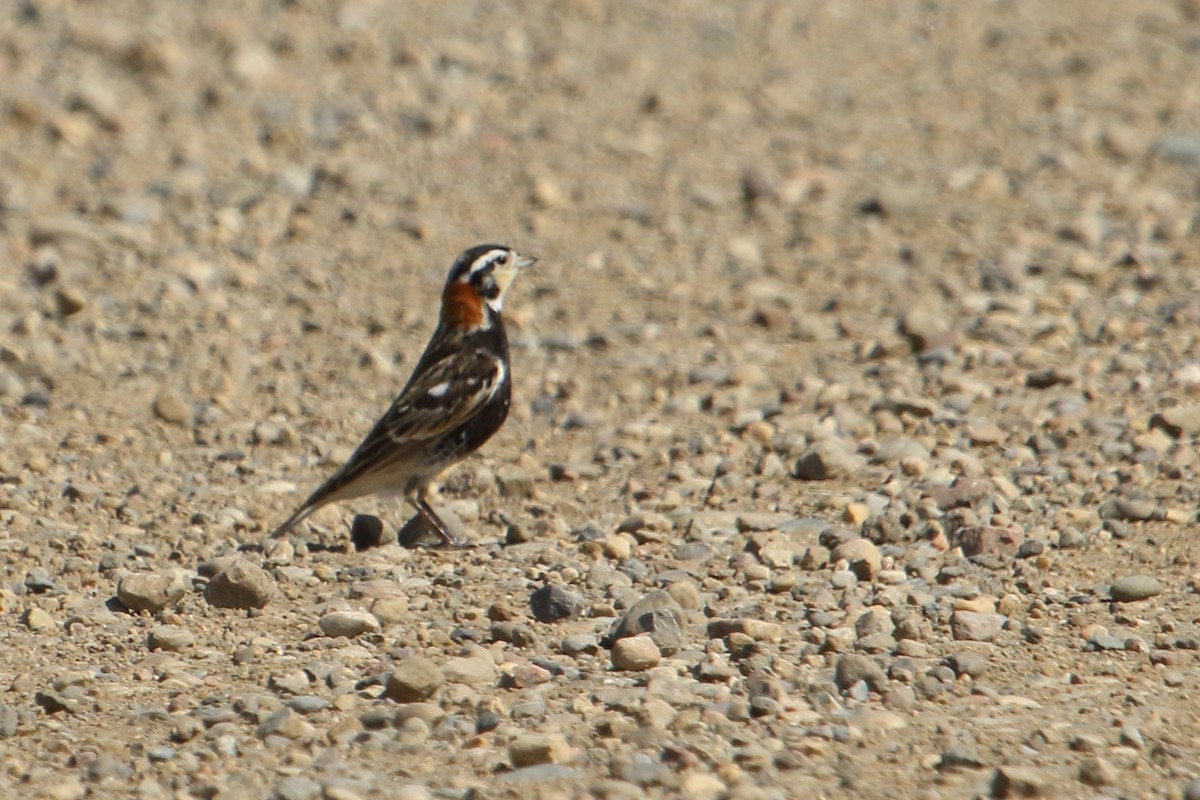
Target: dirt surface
<point x="867" y="331"/>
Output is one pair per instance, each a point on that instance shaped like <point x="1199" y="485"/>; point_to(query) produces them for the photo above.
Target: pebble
<point x="241" y="585"/>
<point x="1133" y="588"/>
<point x="513" y="481"/>
<point x="170" y="638"/>
<point x="532" y="749"/>
<point x="656" y="614"/>
<point x="366" y="531"/>
<point x="470" y="671"/>
<point x="827" y="460"/>
<point x="862" y="555"/>
<point x="635" y="654"/>
<point x="170" y="407"/>
<point x="1096" y="771"/>
<point x="553" y="603"/>
<point x="38" y="620"/>
<point x="150" y="592"/>
<point x="348" y="624"/>
<point x="976" y="626"/>
<point x="852" y="668"/>
<point x="413" y="679"/>
<point x="988" y="539"/>
<point x="390" y="610"/>
<point x="69" y="300"/>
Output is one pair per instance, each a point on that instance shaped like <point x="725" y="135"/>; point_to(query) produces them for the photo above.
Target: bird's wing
<point x="442" y="397"/>
<point x="436" y="400"/>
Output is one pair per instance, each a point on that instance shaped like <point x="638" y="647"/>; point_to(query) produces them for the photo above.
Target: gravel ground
<point x="857" y="392"/>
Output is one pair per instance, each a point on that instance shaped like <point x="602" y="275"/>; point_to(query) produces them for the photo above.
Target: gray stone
<point x="852" y="668"/>
<point x="296" y="787"/>
<point x="1127" y="508"/>
<point x="348" y="624"/>
<point x="170" y="638"/>
<point x="242" y="585"/>
<point x="414" y="679"/>
<point x="1132" y="588"/>
<point x="863" y="557"/>
<point x="9" y="721"/>
<point x="471" y="671"/>
<point x="828" y="458"/>
<point x="970" y="664"/>
<point x="656" y="614"/>
<point x="150" y="592"/>
<point x="308" y="704"/>
<point x="286" y="723"/>
<point x="976" y="626"/>
<point x="552" y="603"/>
<point x="512" y="481"/>
<point x="1095" y="771"/>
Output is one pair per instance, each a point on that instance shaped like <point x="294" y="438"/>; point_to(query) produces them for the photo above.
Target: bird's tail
<point x="301" y="514"/>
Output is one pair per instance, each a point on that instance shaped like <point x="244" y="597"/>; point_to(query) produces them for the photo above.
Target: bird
<point x="456" y="398"/>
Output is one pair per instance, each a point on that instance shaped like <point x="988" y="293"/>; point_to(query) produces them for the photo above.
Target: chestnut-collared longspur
<point x="456" y="398"/>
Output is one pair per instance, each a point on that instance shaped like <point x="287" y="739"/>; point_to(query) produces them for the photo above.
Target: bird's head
<point x="478" y="280"/>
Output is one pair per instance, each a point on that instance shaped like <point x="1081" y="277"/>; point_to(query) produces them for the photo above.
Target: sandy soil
<point x="868" y="331"/>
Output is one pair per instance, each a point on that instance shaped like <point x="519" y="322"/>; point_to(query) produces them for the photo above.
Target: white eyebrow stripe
<point x="486" y="260"/>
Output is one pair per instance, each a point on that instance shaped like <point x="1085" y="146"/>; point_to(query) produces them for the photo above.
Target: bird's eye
<point x="502" y="260"/>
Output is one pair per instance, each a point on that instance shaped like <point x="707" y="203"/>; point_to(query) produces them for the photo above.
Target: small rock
<point x="862" y="555"/>
<point x="656" y="614"/>
<point x="414" y="679"/>
<point x="979" y="539"/>
<point x="1095" y="771"/>
<point x="69" y="300"/>
<point x="1019" y="782"/>
<point x="757" y="629"/>
<point x="366" y="531"/>
<point x="552" y="603"/>
<point x="828" y="459"/>
<point x="150" y="592"/>
<point x="10" y="720"/>
<point x="471" y="671"/>
<point x="960" y="756"/>
<point x="512" y="481"/>
<point x="417" y="532"/>
<point x="635" y="654"/>
<point x="968" y="664"/>
<point x="170" y="638"/>
<point x="538" y="748"/>
<point x="925" y="329"/>
<point x="38" y="620"/>
<point x="852" y="668"/>
<point x="241" y="585"/>
<point x="1178" y="421"/>
<point x="348" y="624"/>
<point x="170" y="407"/>
<point x="701" y="786"/>
<point x="579" y="644"/>
<point x="976" y="626"/>
<point x="390" y="610"/>
<point x="1128" y="508"/>
<point x="1132" y="588"/>
<point x="286" y="723"/>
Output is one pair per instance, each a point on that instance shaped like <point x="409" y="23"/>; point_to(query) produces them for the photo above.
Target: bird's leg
<point x="430" y="516"/>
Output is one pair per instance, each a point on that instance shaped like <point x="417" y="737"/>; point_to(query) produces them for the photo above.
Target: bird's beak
<point x="525" y="262"/>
